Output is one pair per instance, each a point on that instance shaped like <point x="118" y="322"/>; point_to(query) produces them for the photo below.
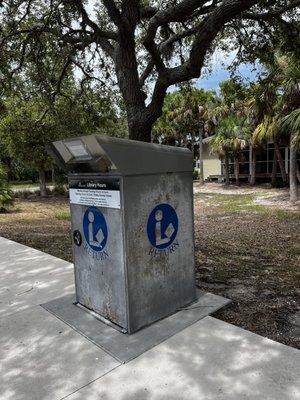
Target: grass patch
<point x="228" y="203"/>
<point x="24" y="184"/>
<point x="19" y="187"/>
<point x="63" y="215"/>
<point x="244" y="203"/>
<point x="284" y="215"/>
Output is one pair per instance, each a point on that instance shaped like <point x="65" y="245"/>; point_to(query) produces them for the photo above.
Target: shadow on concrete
<point x="41" y="358"/>
<point x="210" y="360"/>
<point x="30" y="277"/>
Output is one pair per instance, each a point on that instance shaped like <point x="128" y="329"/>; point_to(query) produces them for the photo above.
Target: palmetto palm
<point x="290" y="115"/>
<point x="291" y="123"/>
<point x="231" y="137"/>
<point x="263" y="105"/>
<point x="275" y="104"/>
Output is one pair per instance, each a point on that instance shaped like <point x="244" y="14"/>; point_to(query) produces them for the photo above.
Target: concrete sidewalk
<point x="42" y="358"/>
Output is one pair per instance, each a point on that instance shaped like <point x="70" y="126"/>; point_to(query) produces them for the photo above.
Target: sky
<point x="219" y="71"/>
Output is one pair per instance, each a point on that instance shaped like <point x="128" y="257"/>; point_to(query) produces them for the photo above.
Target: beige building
<point x="213" y="168"/>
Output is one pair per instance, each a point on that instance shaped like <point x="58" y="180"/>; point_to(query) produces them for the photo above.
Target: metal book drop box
<point x="132" y="227"/>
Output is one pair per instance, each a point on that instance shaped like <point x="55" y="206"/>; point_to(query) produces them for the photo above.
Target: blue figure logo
<point x="162" y="226"/>
<point x="95" y="229"/>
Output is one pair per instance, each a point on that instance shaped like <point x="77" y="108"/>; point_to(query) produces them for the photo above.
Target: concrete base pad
<point x="126" y="347"/>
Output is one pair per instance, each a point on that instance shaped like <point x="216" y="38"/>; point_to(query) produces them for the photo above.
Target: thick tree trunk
<point x="10" y="172"/>
<point x="138" y="119"/>
<point x="42" y="180"/>
<point x="253" y="169"/>
<point x="124" y="54"/>
<point x="124" y="51"/>
<point x="274" y="170"/>
<point x="280" y="162"/>
<point x="201" y="175"/>
<point x="53" y="177"/>
<point x="226" y="167"/>
<point x="139" y="131"/>
<point x="237" y="171"/>
<point x="293" y="173"/>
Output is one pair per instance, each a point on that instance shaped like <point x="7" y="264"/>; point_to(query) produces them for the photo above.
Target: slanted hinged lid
<point x="114" y="156"/>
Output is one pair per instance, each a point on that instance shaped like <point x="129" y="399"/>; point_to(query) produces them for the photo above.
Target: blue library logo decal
<point x="95" y="232"/>
<point x="162" y="228"/>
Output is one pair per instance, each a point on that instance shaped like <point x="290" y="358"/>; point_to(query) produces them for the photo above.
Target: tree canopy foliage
<point x="28" y="125"/>
<point x="144" y="46"/>
<point x="181" y="119"/>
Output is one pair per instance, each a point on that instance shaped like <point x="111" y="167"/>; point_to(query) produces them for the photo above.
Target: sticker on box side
<point x="95" y="193"/>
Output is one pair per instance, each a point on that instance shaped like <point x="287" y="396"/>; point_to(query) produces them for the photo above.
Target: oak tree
<point x="146" y="46"/>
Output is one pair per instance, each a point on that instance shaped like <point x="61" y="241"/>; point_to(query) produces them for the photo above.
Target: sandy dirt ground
<point x="247" y="248"/>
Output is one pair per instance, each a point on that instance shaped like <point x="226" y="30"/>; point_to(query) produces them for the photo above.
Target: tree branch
<point x="176" y="37"/>
<point x="61" y="77"/>
<point x="272" y="14"/>
<point x="86" y="19"/>
<point x="148" y="12"/>
<point x="176" y="13"/>
<point x="154" y="109"/>
<point x="207" y="32"/>
<point x="147" y="72"/>
<point x="27" y="12"/>
<point x="101" y="36"/>
<point x="131" y="10"/>
<point x="115" y="15"/>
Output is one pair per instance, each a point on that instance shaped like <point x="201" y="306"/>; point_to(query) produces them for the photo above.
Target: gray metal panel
<point x="158" y="285"/>
<point x="132" y="157"/>
<point x="124" y="157"/>
<point x="127" y="347"/>
<point x="100" y="281"/>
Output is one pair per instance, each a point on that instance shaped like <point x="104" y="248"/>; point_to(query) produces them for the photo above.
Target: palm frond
<point x="291" y="123"/>
<point x="268" y="129"/>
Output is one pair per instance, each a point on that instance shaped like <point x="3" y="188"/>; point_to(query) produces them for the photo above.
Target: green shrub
<point x="279" y="184"/>
<point x="6" y="194"/>
<point x="195" y="174"/>
<point x="63" y="215"/>
<point x="60" y="190"/>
